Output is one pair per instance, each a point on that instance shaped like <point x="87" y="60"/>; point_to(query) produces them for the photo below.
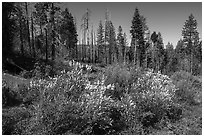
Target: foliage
<point x="187" y="87"/>
<point x="68" y="29"/>
<point x="12" y="116"/>
<point x="67" y="97"/>
<point x="123" y="100"/>
<point x="153" y="93"/>
<point x="100" y="40"/>
<point x="137" y="32"/>
<point x="120" y="44"/>
<point x="8" y="28"/>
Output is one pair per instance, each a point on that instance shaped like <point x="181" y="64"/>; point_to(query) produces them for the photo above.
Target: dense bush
<point x="188" y="87"/>
<point x="70" y="103"/>
<point x="123" y="100"/>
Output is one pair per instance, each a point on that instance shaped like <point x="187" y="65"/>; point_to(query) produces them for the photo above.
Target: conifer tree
<point x="68" y="31"/>
<point x="190" y="37"/>
<point x="125" y="47"/>
<point x="138" y="37"/>
<point x="112" y="44"/>
<point x="160" y="52"/>
<point x="100" y="41"/>
<point x="27" y="23"/>
<point x="120" y="44"/>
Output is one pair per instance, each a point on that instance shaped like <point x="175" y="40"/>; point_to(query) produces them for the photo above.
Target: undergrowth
<point x="121" y="100"/>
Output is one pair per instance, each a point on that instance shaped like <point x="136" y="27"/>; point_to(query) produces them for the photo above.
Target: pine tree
<point x="138" y="37"/>
<point x="68" y="31"/>
<point x="112" y="43"/>
<point x="107" y="37"/>
<point x="125" y="47"/>
<point x="181" y="55"/>
<point x="110" y="39"/>
<point x="20" y="20"/>
<point x="40" y="14"/>
<point x="8" y="27"/>
<point x="169" y="58"/>
<point x="190" y="37"/>
<point x="46" y="45"/>
<point x="52" y="12"/>
<point x="28" y="28"/>
<point x="160" y="52"/>
<point x="100" y="41"/>
<point x="21" y="27"/>
<point x="120" y="44"/>
<point x="32" y="35"/>
<point x="145" y="27"/>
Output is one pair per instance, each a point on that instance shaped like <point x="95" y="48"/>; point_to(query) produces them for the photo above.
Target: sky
<point x="165" y="17"/>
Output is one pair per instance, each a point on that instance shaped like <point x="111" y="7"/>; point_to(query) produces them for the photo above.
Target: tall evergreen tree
<point x="120" y="44"/>
<point x="68" y="31"/>
<point x="8" y="27"/>
<point x="41" y="14"/>
<point x="170" y="61"/>
<point x="125" y="47"/>
<point x="138" y="37"/>
<point x="20" y="21"/>
<point x="100" y="41"/>
<point x="190" y="37"/>
<point x="112" y="43"/>
<point x="32" y="35"/>
<point x="160" y="52"/>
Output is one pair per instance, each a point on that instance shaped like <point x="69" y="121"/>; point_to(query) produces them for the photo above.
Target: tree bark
<point x="53" y="35"/>
<point x="33" y="40"/>
<point x="21" y="33"/>
<point x="46" y="46"/>
<point x="28" y="28"/>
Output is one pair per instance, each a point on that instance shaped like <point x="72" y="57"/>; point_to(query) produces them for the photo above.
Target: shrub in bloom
<point x="153" y="94"/>
<point x="72" y="102"/>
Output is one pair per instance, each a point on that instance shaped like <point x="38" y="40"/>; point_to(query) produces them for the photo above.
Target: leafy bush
<point x="122" y="100"/>
<point x="70" y="102"/>
<point x="55" y="98"/>
<point x="187" y="86"/>
<point x="12" y="116"/>
<point x="9" y="96"/>
<point x="153" y="93"/>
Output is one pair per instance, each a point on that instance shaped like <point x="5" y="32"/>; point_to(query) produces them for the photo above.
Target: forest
<point x="56" y="81"/>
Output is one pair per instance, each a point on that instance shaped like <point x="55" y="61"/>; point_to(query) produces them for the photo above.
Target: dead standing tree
<point x="85" y="30"/>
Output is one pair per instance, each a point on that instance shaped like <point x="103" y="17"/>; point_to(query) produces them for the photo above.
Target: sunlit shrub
<point x="153" y="94"/>
<point x="70" y="103"/>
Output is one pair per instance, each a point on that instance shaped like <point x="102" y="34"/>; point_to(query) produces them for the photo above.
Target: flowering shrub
<point x="153" y="93"/>
<point x="70" y="102"/>
<point x="155" y="85"/>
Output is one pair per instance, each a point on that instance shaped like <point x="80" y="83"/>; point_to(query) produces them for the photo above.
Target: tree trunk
<point x="41" y="32"/>
<point x="21" y="33"/>
<point x="53" y="33"/>
<point x="191" y="62"/>
<point x="33" y="40"/>
<point x="124" y="59"/>
<point x="135" y="51"/>
<point x="46" y="46"/>
<point x="110" y="56"/>
<point x="28" y="29"/>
